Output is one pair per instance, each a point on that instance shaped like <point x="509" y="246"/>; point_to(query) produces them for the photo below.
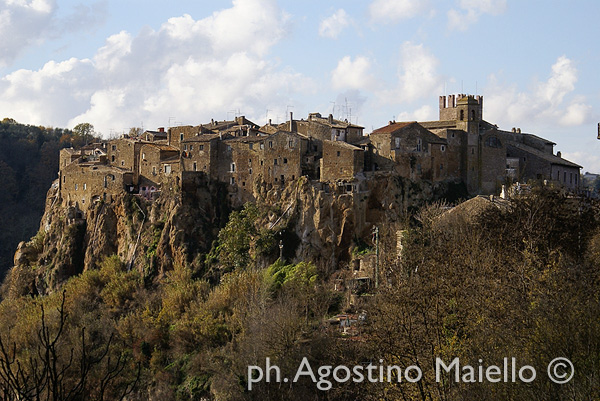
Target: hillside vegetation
<point x="517" y="280"/>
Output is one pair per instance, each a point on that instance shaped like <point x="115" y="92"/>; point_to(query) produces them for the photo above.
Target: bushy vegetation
<point x="520" y="280"/>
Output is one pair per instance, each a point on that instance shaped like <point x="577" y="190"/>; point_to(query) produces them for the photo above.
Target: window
<point x="114" y="147"/>
<point x="291" y="144"/>
<point x="112" y="158"/>
<point x="338" y="153"/>
<point x="143" y="156"/>
<point x="167" y="169"/>
<point x="250" y="162"/>
<point x="153" y="170"/>
<point x="397" y="141"/>
<point x="181" y="137"/>
<point x="232" y="168"/>
<point x="85" y="185"/>
<point x="191" y="147"/>
<point x="472" y="151"/>
<point x="443" y="148"/>
<point x="243" y="183"/>
<point x="76" y="187"/>
<point x="274" y="162"/>
<point x="270" y="144"/>
<point x="64" y="179"/>
<point x="184" y="147"/>
<point x="195" y="166"/>
<point x="232" y="181"/>
<point x="261" y="162"/>
<point x="201" y="147"/>
<point x="122" y="162"/>
<point x="250" y="171"/>
<point x="462" y="115"/>
<point x="493" y="142"/>
<point x="419" y="144"/>
<point x="284" y="160"/>
<point x="250" y="145"/>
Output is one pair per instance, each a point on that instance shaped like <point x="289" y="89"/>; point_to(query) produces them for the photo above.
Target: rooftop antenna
<point x="287" y="111"/>
<point x="267" y="116"/>
<point x="171" y="118"/>
<point x="333" y="109"/>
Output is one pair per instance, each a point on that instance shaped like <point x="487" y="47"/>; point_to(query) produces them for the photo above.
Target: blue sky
<point x="119" y="64"/>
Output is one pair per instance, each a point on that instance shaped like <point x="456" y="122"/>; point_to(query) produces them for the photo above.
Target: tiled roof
<point x="391" y="128"/>
<point x="343" y="145"/>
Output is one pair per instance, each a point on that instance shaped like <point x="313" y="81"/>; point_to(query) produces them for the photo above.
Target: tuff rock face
<point x="322" y="224"/>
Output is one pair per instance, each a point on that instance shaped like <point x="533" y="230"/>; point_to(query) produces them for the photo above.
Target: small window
<point x="85" y="185"/>
<point x="462" y="115"/>
<point x="270" y="144"/>
<point x="181" y="137"/>
<point x="114" y="147"/>
<point x="76" y="187"/>
<point x="201" y="147"/>
<point x="112" y="158"/>
<point x="284" y="160"/>
<point x="167" y="169"/>
<point x="250" y="171"/>
<point x="191" y="147"/>
<point x="232" y="168"/>
<point x="243" y="183"/>
<point x="122" y="162"/>
<point x="184" y="147"/>
<point x="419" y="144"/>
<point x="443" y="148"/>
<point x="274" y="162"/>
<point x="261" y="162"/>
<point x="397" y="141"/>
<point x="143" y="156"/>
<point x="232" y="181"/>
<point x="250" y="145"/>
<point x="338" y="153"/>
<point x="153" y="170"/>
<point x="291" y="144"/>
<point x="195" y="166"/>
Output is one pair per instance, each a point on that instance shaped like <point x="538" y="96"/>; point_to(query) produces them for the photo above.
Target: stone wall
<point x="341" y="161"/>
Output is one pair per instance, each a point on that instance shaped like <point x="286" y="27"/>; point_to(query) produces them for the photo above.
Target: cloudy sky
<point x="120" y="64"/>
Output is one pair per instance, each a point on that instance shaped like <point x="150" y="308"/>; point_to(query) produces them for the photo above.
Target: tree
<point x="85" y="131"/>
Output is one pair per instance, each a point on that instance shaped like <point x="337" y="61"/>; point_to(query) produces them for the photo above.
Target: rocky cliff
<point x="317" y="222"/>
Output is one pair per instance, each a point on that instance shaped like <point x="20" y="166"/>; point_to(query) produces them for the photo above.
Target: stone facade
<point x="341" y="161"/>
<point x="81" y="185"/>
<point x="410" y="151"/>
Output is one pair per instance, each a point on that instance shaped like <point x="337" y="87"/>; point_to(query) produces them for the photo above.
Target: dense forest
<point x="28" y="165"/>
<point x="519" y="278"/>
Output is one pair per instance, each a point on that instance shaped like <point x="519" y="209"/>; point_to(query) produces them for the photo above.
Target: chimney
<point x="161" y="129"/>
<point x="330" y="119"/>
<point x="559" y="154"/>
<point x="270" y="122"/>
<point x="291" y="121"/>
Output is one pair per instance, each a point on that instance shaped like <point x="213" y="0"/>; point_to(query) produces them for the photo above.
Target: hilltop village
<point x="460" y="146"/>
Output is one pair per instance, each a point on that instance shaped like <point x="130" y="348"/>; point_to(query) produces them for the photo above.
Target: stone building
<point x="341" y="161"/>
<point x="200" y="154"/>
<point x="409" y="150"/>
<point x="125" y="153"/>
<point x="485" y="157"/>
<point x="157" y="163"/>
<point x="83" y="184"/>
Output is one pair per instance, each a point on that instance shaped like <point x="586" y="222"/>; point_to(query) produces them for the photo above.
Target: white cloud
<point x="417" y="73"/>
<point x="472" y="11"/>
<point x="331" y="27"/>
<point x="543" y="105"/>
<point x="193" y="70"/>
<point x="423" y="113"/>
<point x="351" y="74"/>
<point x="396" y="10"/>
<point x="26" y="23"/>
